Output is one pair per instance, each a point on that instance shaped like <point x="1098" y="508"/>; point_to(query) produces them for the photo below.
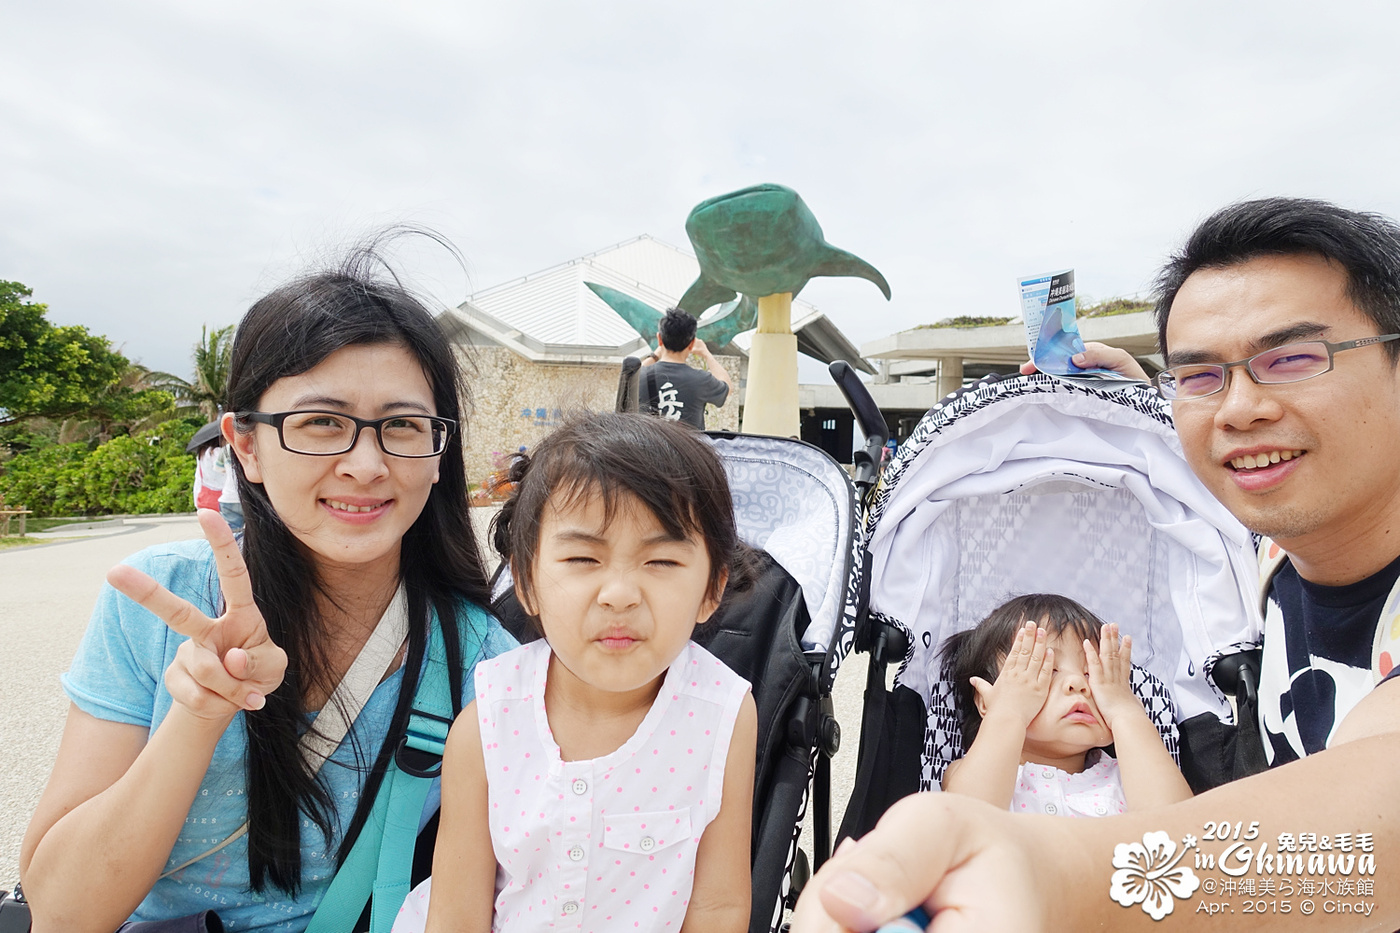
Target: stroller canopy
<point x="796" y="503"/>
<point x="1032" y="485"/>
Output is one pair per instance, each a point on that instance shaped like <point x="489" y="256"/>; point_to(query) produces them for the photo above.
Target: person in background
<point x="669" y="386"/>
<point x="228" y="503"/>
<point x="210" y="466"/>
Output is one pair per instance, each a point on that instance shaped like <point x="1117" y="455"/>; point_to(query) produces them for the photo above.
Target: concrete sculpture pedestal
<point x="770" y="401"/>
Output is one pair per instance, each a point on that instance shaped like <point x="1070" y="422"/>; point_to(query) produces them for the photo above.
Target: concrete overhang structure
<point x="950" y="350"/>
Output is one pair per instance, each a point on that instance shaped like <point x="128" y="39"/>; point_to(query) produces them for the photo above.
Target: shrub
<point x="146" y="472"/>
<point x="967" y="320"/>
<point x="1115" y="306"/>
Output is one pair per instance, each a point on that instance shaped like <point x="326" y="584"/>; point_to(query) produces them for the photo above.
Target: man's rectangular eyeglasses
<point x="327" y="433"/>
<point x="1291" y="362"/>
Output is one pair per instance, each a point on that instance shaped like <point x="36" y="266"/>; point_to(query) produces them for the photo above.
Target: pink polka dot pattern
<point x="608" y="843"/>
<point x="1095" y="791"/>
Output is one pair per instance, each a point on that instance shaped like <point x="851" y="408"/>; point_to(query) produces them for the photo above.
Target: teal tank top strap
<point x="378" y="867"/>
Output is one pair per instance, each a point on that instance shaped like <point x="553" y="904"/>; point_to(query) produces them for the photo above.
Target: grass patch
<point x="1115" y="306"/>
<point x="1109" y="308"/>
<point x="46" y="524"/>
<point x="10" y="541"/>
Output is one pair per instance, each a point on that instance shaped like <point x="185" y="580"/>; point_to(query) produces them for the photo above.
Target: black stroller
<point x="1027" y="485"/>
<point x="787" y="636"/>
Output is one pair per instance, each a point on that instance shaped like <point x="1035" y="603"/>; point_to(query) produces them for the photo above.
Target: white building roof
<point x="552" y="314"/>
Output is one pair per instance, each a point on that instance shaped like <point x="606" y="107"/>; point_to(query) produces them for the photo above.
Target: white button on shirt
<point x="1095" y="791"/>
<point x="580" y="786"/>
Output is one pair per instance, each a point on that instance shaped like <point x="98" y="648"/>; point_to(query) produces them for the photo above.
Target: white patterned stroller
<point x="1027" y="485"/>
<point x="786" y="635"/>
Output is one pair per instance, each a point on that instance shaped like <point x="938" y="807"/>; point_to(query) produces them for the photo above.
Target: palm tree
<point x="141" y="397"/>
<point x="205" y="391"/>
<point x="139" y="400"/>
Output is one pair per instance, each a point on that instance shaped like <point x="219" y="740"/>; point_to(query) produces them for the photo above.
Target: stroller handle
<point x="868" y="418"/>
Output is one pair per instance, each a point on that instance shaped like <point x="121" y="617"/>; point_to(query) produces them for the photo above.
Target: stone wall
<point x="516" y="402"/>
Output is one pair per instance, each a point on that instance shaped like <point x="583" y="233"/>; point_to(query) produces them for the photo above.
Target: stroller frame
<point x="898" y="754"/>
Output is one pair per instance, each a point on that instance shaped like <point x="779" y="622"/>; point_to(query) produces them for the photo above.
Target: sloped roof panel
<point x="543" y="306"/>
<point x="650" y="263"/>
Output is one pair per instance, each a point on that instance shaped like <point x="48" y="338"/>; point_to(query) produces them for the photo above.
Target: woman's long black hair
<point x="285" y="333"/>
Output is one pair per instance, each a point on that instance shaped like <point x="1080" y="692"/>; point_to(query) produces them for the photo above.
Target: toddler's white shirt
<point x="1095" y="791"/>
<point x="609" y="843"/>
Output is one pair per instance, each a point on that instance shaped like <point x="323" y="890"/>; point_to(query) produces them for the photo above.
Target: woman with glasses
<point x="232" y="700"/>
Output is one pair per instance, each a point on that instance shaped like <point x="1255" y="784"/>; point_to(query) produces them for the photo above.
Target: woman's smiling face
<point x="349" y="509"/>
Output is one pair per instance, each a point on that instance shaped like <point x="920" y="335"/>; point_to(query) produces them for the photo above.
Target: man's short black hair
<point x="676" y="330"/>
<point x="1366" y="246"/>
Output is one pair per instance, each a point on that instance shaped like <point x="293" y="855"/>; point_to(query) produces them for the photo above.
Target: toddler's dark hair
<point x="979" y="652"/>
<point x="666" y="465"/>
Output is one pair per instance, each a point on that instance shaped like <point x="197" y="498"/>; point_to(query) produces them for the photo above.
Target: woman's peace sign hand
<point x="228" y="663"/>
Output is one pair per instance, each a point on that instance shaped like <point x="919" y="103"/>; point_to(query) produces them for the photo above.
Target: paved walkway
<point x="46" y="595"/>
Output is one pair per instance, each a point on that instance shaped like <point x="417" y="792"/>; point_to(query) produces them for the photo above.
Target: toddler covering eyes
<point x="1042" y="687"/>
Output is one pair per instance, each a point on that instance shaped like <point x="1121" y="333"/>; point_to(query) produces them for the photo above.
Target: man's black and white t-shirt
<point x="1317" y="658"/>
<point x="677" y="392"/>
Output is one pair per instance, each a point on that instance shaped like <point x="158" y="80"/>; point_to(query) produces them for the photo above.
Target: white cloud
<point x="161" y="164"/>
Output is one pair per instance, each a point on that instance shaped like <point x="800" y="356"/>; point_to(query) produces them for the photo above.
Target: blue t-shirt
<point x="119" y="675"/>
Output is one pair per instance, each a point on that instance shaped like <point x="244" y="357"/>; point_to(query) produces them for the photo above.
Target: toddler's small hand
<point x="1110" y="673"/>
<point x="1024" y="680"/>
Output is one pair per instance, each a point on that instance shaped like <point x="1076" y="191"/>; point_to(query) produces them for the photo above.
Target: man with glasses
<point x="1279" y="322"/>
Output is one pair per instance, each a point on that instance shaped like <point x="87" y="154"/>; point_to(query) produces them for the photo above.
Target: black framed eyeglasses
<point x="1292" y="362"/>
<point x="327" y="433"/>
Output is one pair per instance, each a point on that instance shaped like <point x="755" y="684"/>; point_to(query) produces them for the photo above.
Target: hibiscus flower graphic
<point x="1148" y="875"/>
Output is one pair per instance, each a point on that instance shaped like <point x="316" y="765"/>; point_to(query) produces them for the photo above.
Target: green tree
<point x="138" y="401"/>
<point x="212" y="356"/>
<point x="51" y="371"/>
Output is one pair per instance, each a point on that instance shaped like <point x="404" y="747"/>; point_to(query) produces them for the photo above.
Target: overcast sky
<point x="162" y="164"/>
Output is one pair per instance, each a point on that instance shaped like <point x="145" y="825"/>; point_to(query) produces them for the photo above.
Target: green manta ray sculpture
<point x="732" y="319"/>
<point x="762" y="240"/>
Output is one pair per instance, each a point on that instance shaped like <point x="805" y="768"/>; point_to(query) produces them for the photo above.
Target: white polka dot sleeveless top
<point x="1095" y="791"/>
<point x="606" y="844"/>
